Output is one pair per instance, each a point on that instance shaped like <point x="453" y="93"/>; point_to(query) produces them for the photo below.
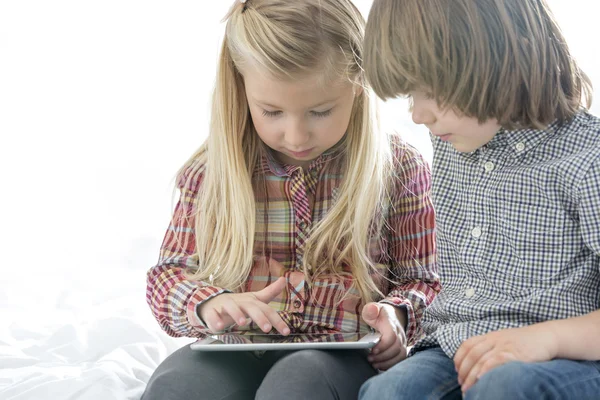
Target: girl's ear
<point x="358" y="89"/>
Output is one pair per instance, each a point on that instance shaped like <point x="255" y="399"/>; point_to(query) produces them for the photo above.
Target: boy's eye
<point x="271" y="113"/>
<point x="321" y="114"/>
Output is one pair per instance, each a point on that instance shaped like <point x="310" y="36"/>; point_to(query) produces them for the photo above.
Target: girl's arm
<point x="412" y="240"/>
<point x="173" y="299"/>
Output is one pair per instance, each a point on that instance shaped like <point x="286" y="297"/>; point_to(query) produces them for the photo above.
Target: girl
<point x="516" y="185"/>
<point x="297" y="215"/>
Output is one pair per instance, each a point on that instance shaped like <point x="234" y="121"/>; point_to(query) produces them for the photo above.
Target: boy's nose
<point x="422" y="116"/>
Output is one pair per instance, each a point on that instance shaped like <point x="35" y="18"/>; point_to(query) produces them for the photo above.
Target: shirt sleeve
<point x="412" y="240"/>
<point x="172" y="297"/>
<point x="589" y="207"/>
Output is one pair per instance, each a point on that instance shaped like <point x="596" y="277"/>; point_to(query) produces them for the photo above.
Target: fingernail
<point x="267" y="327"/>
<point x="286" y="331"/>
<point x="241" y="321"/>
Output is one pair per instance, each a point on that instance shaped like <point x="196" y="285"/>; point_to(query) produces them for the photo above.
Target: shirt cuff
<point x="411" y="320"/>
<point x="200" y="296"/>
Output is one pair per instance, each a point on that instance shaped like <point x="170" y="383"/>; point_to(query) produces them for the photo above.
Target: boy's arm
<point x="574" y="338"/>
<point x="412" y="243"/>
<point x="577" y="338"/>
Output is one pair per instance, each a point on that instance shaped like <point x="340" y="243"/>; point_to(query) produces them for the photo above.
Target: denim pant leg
<point x="428" y="374"/>
<point x="556" y="379"/>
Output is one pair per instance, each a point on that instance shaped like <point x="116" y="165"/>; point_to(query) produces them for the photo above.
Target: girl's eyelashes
<point x="271" y="113"/>
<point x="321" y="114"/>
<point x="318" y="114"/>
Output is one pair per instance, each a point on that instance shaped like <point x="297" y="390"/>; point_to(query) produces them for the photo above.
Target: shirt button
<point x="297" y="304"/>
<point x="520" y="146"/>
<point x="470" y="292"/>
<point x="476" y="232"/>
<point x="489" y="166"/>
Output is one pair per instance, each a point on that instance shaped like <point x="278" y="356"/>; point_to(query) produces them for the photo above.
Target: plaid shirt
<point x="518" y="231"/>
<point x="298" y="199"/>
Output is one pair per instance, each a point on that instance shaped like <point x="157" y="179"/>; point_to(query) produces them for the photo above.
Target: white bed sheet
<point x="76" y="337"/>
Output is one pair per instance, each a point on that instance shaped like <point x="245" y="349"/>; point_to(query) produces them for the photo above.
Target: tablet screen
<point x="258" y="341"/>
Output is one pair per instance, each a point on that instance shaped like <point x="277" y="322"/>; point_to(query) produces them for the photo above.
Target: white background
<point x="100" y="104"/>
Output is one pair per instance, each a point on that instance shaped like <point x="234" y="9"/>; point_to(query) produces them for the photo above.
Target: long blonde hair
<point x="288" y="39"/>
<point x="501" y="59"/>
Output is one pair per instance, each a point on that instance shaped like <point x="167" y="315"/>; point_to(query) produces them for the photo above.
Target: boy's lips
<point x="444" y="137"/>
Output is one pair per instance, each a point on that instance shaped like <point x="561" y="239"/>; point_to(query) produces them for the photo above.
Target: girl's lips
<point x="301" y="154"/>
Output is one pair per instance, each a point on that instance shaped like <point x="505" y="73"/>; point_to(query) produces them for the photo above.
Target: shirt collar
<point x="270" y="164"/>
<point x="520" y="141"/>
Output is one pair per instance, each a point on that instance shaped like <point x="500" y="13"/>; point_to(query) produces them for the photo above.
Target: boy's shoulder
<point x="585" y="127"/>
<point x="575" y="143"/>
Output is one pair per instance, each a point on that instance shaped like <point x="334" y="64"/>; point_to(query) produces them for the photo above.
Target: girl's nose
<point x="297" y="134"/>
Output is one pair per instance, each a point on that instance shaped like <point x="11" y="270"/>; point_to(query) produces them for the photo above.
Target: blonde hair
<point x="500" y="59"/>
<point x="288" y="39"/>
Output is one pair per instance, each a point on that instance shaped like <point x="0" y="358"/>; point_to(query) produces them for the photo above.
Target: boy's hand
<point x="234" y="308"/>
<point x="480" y="354"/>
<point x="391" y="348"/>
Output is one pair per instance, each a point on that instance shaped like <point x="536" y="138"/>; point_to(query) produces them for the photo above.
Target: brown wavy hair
<point x="490" y="59"/>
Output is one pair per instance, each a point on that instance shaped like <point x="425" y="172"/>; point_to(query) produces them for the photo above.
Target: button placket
<point x="489" y="166"/>
<point x="520" y="146"/>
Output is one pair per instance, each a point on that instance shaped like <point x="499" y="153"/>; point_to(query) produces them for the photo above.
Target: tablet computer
<point x="239" y="341"/>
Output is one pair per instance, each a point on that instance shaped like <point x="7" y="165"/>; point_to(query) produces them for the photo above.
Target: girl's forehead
<point x="301" y="92"/>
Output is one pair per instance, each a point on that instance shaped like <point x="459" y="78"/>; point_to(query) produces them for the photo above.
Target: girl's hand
<point x="391" y="348"/>
<point x="234" y="308"/>
<point x="480" y="354"/>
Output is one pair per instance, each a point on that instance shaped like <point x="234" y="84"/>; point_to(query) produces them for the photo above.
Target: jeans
<point x="430" y="374"/>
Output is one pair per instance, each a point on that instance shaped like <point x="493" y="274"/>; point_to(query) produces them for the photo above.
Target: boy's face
<point x="298" y="119"/>
<point x="465" y="134"/>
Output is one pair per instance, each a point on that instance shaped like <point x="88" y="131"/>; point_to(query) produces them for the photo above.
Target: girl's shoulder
<point x="190" y="176"/>
<point x="406" y="159"/>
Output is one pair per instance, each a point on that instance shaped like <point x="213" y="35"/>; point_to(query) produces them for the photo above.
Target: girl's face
<point x="299" y="119"/>
<point x="465" y="134"/>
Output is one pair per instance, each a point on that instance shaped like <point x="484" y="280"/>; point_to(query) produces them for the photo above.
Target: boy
<point x="517" y="193"/>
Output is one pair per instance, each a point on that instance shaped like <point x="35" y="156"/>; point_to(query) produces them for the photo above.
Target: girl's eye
<point x="271" y="113"/>
<point x="322" y="114"/>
